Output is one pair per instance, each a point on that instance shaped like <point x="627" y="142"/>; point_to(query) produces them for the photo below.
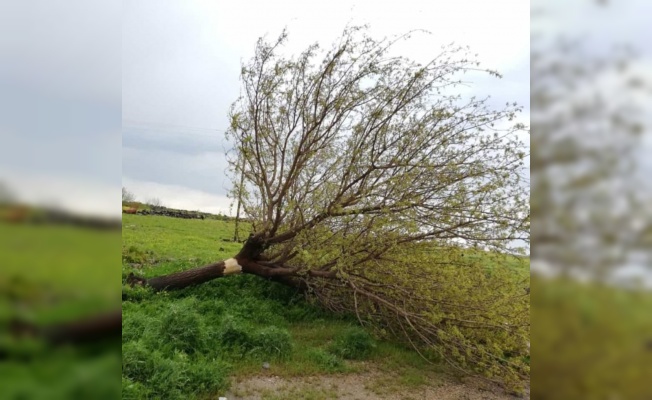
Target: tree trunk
<point x="194" y="276"/>
<point x="87" y="329"/>
<point x="244" y="261"/>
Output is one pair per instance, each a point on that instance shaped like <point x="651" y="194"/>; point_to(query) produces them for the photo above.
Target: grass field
<point x="52" y="274"/>
<point x="194" y="342"/>
<point x="591" y="340"/>
<point x="228" y="327"/>
<point x="197" y="342"/>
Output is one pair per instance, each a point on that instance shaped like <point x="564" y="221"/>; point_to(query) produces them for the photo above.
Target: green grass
<point x="56" y="273"/>
<point x="199" y="241"/>
<point x="591" y="339"/>
<point x="229" y="327"/>
<point x="57" y="266"/>
<point x="52" y="274"/>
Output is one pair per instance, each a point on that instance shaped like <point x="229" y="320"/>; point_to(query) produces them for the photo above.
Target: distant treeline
<point x="22" y="213"/>
<point x="15" y="213"/>
<point x="142" y="209"/>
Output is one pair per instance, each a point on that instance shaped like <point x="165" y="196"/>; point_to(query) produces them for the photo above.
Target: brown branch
<point x="83" y="330"/>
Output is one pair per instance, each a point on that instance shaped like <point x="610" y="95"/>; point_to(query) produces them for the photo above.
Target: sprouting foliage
<point x="368" y="178"/>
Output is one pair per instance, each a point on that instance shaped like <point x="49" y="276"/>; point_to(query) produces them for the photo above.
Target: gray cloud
<point x="67" y="49"/>
<point x="173" y="72"/>
<point x="181" y="64"/>
<point x="204" y="171"/>
<point x="60" y="106"/>
<point x="181" y="140"/>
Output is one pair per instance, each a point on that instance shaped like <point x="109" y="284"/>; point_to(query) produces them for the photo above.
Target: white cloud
<point x="499" y="30"/>
<point x="178" y="197"/>
<point x="74" y="194"/>
<point x="181" y="61"/>
<point x="205" y="171"/>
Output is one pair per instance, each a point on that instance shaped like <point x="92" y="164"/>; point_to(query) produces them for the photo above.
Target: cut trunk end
<point x="191" y="277"/>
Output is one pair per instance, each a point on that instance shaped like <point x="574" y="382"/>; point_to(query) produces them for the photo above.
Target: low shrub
<point x="133" y="327"/>
<point x="353" y="344"/>
<point x="208" y="376"/>
<point x="181" y="328"/>
<point x="134" y="255"/>
<point x="138" y="362"/>
<point x="235" y="335"/>
<point x="326" y="361"/>
<point x="133" y="390"/>
<point x="273" y="342"/>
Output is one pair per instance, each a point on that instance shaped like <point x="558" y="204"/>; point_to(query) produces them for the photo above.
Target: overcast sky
<point x="598" y="26"/>
<point x="60" y="103"/>
<point x="181" y="60"/>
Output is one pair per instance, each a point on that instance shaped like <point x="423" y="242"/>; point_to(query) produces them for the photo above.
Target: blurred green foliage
<point x="54" y="274"/>
<point x="590" y="341"/>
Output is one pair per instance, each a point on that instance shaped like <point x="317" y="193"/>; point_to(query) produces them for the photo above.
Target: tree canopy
<point x="375" y="150"/>
<point x="357" y="164"/>
<point x="377" y="188"/>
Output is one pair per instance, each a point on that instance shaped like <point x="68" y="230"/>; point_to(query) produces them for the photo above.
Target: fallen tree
<point x="377" y="190"/>
<point x="91" y="328"/>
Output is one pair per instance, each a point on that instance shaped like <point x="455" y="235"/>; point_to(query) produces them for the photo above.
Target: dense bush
<point x="138" y="362"/>
<point x="235" y="335"/>
<point x="473" y="309"/>
<point x="133" y="390"/>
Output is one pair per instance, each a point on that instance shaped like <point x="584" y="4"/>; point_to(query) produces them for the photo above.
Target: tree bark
<point x="180" y="280"/>
<point x="87" y="329"/>
<point x="244" y="261"/>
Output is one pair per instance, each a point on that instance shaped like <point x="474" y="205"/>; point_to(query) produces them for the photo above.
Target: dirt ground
<point x="362" y="386"/>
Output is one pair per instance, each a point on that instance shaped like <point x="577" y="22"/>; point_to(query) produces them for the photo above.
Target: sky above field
<point x="181" y="63"/>
<point x="600" y="27"/>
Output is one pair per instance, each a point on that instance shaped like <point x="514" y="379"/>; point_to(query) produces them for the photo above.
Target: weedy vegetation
<point x="189" y="343"/>
<point x="53" y="274"/>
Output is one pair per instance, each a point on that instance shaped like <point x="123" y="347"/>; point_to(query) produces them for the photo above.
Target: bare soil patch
<point x="363" y="386"/>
